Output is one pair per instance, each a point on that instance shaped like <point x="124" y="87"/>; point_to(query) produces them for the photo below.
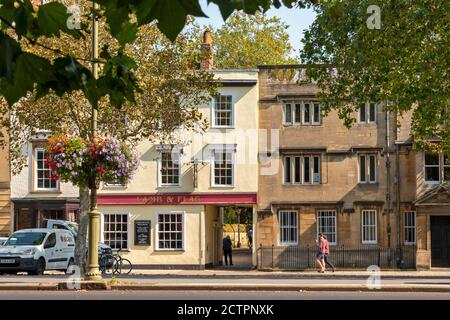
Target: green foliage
<point x="404" y="65"/>
<point x="247" y="41"/>
<point x="23" y="20"/>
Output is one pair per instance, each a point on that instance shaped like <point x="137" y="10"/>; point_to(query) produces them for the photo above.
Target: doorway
<point x="237" y="224"/>
<point x="440" y="241"/>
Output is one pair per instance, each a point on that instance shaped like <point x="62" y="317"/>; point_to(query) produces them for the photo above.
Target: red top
<point x="324" y="246"/>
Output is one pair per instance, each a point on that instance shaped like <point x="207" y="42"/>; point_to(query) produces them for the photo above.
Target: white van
<point x="37" y="250"/>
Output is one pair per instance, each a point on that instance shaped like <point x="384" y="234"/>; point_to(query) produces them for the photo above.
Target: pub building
<point x="170" y="214"/>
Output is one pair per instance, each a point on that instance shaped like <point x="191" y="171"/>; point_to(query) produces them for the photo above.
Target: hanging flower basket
<point x="85" y="164"/>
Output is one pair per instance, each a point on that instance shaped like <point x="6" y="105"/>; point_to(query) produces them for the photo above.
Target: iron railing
<point x="304" y="257"/>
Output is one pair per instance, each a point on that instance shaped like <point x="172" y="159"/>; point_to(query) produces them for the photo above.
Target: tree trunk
<point x="80" y="247"/>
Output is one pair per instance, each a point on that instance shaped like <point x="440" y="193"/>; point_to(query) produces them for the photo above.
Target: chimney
<point x="208" y="62"/>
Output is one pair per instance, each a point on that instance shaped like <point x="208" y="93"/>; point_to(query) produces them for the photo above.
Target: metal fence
<point x="300" y="258"/>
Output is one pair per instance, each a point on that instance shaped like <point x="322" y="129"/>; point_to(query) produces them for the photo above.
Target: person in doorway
<point x="250" y="237"/>
<point x="227" y="250"/>
<point x="320" y="256"/>
<point x="326" y="253"/>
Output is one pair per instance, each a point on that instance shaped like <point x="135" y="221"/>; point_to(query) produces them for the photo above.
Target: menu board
<point x="142" y="232"/>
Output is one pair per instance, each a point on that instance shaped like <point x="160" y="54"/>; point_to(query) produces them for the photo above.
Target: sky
<point x="297" y="19"/>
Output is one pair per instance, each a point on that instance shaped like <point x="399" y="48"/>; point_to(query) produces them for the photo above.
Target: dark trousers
<point x="327" y="262"/>
<point x="227" y="253"/>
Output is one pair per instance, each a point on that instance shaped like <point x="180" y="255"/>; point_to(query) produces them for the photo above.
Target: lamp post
<point x="93" y="273"/>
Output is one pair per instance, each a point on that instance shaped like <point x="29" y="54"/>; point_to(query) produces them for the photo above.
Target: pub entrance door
<point x="440" y="241"/>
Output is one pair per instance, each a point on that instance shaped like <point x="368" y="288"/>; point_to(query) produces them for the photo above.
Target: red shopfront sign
<point x="177" y="199"/>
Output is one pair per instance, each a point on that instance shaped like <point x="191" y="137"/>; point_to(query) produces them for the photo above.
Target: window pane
<point x="372" y="170"/>
<point x="306" y="170"/>
<point x="362" y="168"/>
<point x="287" y="170"/>
<point x="297" y="170"/>
<point x="372" y="112"/>
<point x="431" y="159"/>
<point x="171" y="236"/>
<point x="288" y="113"/>
<point x="362" y="113"/>
<point x="316" y="170"/>
<point x="223" y="110"/>
<point x="223" y="168"/>
<point x="446" y="168"/>
<point x="306" y="113"/>
<point x="316" y="113"/>
<point x="298" y="113"/>
<point x="432" y="174"/>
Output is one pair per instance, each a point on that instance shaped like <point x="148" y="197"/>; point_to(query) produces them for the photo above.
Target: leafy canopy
<point x="247" y="41"/>
<point x="21" y="19"/>
<point x="403" y="65"/>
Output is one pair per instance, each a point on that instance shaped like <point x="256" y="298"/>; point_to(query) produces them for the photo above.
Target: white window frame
<point x="183" y="232"/>
<point x="444" y="167"/>
<point x="303" y="121"/>
<point x="310" y="118"/>
<point x="334" y="218"/>
<point x="102" y="221"/>
<point x="302" y="169"/>
<point x="231" y="149"/>
<point x="159" y="166"/>
<point x="213" y="113"/>
<point x="425" y="166"/>
<point x="35" y="173"/>
<point x="413" y="227"/>
<point x="291" y="113"/>
<point x="316" y="123"/>
<point x="370" y="211"/>
<point x="366" y="108"/>
<point x="290" y="171"/>
<point x="296" y="227"/>
<point x="367" y="178"/>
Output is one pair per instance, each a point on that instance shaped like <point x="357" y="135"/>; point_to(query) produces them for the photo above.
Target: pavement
<point x="240" y="280"/>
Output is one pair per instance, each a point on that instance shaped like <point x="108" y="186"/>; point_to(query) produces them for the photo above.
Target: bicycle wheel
<point x="109" y="264"/>
<point x="125" y="266"/>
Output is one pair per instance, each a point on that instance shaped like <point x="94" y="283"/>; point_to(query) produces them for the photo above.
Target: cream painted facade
<point x="5" y="201"/>
<point x="197" y="196"/>
<point x="32" y="204"/>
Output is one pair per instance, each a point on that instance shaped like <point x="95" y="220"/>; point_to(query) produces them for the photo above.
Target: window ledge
<point x="46" y="191"/>
<point x="368" y="184"/>
<point x="170" y="250"/>
<point x="225" y="127"/>
<point x="114" y="187"/>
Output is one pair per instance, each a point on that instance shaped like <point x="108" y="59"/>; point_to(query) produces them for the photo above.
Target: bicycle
<point x="114" y="264"/>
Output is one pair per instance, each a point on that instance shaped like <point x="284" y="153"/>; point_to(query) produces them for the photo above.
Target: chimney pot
<point x="208" y="62"/>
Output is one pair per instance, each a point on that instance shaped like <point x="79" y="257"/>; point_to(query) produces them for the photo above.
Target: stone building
<point x="365" y="186"/>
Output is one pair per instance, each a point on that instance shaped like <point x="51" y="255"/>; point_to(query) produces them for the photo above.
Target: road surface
<point x="216" y="295"/>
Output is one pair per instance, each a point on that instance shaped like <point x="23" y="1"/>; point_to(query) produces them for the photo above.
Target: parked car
<point x="2" y="240"/>
<point x="37" y="250"/>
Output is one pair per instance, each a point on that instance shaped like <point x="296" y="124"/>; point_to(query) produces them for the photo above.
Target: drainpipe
<point x="388" y="183"/>
<point x="397" y="160"/>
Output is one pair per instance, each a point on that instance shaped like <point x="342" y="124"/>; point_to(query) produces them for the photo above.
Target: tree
<point x="22" y="72"/>
<point x="172" y="88"/>
<point x="404" y="64"/>
<point x="246" y="41"/>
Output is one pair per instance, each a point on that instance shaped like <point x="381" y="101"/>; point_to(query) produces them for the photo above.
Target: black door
<point x="440" y="241"/>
